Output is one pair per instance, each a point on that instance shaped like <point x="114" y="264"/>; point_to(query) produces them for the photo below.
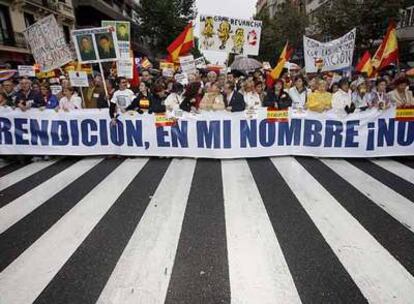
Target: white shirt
<point x="74" y="103"/>
<point x="173" y="101"/>
<point x="340" y="100"/>
<point x="123" y="98"/>
<point x="298" y="99"/>
<point x="252" y="99"/>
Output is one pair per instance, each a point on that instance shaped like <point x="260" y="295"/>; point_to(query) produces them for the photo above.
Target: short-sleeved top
<point x="123" y="98"/>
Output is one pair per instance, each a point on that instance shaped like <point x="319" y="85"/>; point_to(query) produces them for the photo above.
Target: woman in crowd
<point x="321" y="99"/>
<point x="174" y="99"/>
<point x="299" y="93"/>
<point x="381" y="99"/>
<point x="213" y="99"/>
<point x="157" y="99"/>
<point x="70" y="100"/>
<point x="361" y="97"/>
<point x="251" y="98"/>
<point x="334" y="88"/>
<point x="401" y="96"/>
<point x="342" y="100"/>
<point x="259" y="88"/>
<point x="142" y="102"/>
<point x="278" y="98"/>
<point x="192" y="97"/>
<point x="50" y="101"/>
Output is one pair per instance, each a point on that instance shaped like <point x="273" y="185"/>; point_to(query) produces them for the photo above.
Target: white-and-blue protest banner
<point x="371" y="133"/>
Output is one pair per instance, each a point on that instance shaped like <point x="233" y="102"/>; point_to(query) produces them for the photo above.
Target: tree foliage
<point x="370" y="17"/>
<point x="161" y="21"/>
<point x="288" y="24"/>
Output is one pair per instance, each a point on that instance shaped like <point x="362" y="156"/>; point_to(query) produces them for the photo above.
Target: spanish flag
<point x="284" y="57"/>
<point x="387" y="52"/>
<point x="365" y="64"/>
<point x="183" y="44"/>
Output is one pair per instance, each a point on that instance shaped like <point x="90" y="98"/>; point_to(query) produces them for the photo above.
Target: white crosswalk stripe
<point x="18" y="175"/>
<point x="379" y="276"/>
<point x="258" y="265"/>
<point x="20" y="207"/>
<point x="395" y="204"/>
<point x="29" y="274"/>
<point x="258" y="270"/>
<point x="146" y="264"/>
<point x="396" y="168"/>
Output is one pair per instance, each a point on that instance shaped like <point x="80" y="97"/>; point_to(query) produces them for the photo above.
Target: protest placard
<point x="333" y="55"/>
<point x="188" y="64"/>
<point x="26" y="70"/>
<point x="123" y="34"/>
<point x="230" y="35"/>
<point x="78" y="79"/>
<point x="200" y="63"/>
<point x="125" y="68"/>
<point x="181" y="78"/>
<point x="96" y="45"/>
<point x="55" y="89"/>
<point x="47" y="43"/>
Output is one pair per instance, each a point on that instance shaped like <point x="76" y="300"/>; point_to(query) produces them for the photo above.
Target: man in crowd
<point x="234" y="100"/>
<point x="9" y="93"/>
<point x="146" y="77"/>
<point x="26" y="98"/>
<point x="92" y="93"/>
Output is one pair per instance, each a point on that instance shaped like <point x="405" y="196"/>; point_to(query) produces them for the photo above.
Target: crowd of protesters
<point x="213" y="91"/>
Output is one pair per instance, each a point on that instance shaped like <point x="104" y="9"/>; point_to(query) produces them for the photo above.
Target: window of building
<point x="6" y="32"/>
<point x="29" y="19"/>
<point x="66" y="32"/>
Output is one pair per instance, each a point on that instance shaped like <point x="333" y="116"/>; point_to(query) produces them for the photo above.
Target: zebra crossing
<point x="270" y="230"/>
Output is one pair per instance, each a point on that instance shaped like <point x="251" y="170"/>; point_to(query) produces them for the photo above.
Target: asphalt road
<point x="272" y="230"/>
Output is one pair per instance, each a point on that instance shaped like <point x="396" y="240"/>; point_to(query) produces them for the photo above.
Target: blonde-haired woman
<point x="321" y="99"/>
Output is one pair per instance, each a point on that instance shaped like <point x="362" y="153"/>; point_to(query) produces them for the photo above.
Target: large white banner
<point x="333" y="55"/>
<point x="48" y="44"/>
<point x="211" y="134"/>
<point x="230" y="35"/>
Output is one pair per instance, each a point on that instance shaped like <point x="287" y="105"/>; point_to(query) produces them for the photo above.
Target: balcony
<point x="14" y="43"/>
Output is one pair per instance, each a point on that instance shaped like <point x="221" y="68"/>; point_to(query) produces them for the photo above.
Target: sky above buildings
<point x="231" y="8"/>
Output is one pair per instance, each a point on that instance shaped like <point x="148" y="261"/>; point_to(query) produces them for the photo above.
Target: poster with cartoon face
<point x="230" y="35"/>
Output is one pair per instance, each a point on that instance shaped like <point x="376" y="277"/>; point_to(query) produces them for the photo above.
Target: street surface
<point x="272" y="230"/>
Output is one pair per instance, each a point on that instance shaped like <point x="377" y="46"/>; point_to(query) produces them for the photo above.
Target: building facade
<point x="405" y="32"/>
<point x="272" y="6"/>
<point x="17" y="15"/>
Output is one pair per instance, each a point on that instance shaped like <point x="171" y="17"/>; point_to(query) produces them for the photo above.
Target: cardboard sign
<point x="123" y="34"/>
<point x="78" y="79"/>
<point x="125" y="68"/>
<point x="26" y="70"/>
<point x="56" y="89"/>
<point x="181" y="78"/>
<point x="47" y="43"/>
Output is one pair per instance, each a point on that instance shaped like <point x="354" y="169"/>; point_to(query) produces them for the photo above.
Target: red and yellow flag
<point x="387" y="52"/>
<point x="365" y="64"/>
<point x="284" y="57"/>
<point x="183" y="44"/>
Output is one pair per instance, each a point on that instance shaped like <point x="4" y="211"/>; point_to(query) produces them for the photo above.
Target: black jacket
<point x="236" y="103"/>
<point x="156" y="104"/>
<point x="282" y="101"/>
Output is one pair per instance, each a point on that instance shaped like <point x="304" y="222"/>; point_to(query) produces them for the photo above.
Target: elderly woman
<point x="361" y="97"/>
<point x="321" y="99"/>
<point x="342" y="99"/>
<point x="381" y="99"/>
<point x="212" y="100"/>
<point x="251" y="98"/>
<point x="401" y="96"/>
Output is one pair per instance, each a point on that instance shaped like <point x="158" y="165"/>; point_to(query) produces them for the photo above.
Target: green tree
<point x="288" y="24"/>
<point x="370" y="17"/>
<point x="161" y="21"/>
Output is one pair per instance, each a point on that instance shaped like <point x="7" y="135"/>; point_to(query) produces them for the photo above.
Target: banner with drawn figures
<point x="371" y="133"/>
<point x="95" y="45"/>
<point x="47" y="43"/>
<point x="329" y="56"/>
<point x="230" y="35"/>
<point x="123" y="34"/>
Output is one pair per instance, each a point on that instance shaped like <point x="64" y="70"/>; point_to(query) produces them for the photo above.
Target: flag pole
<point x="104" y="81"/>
